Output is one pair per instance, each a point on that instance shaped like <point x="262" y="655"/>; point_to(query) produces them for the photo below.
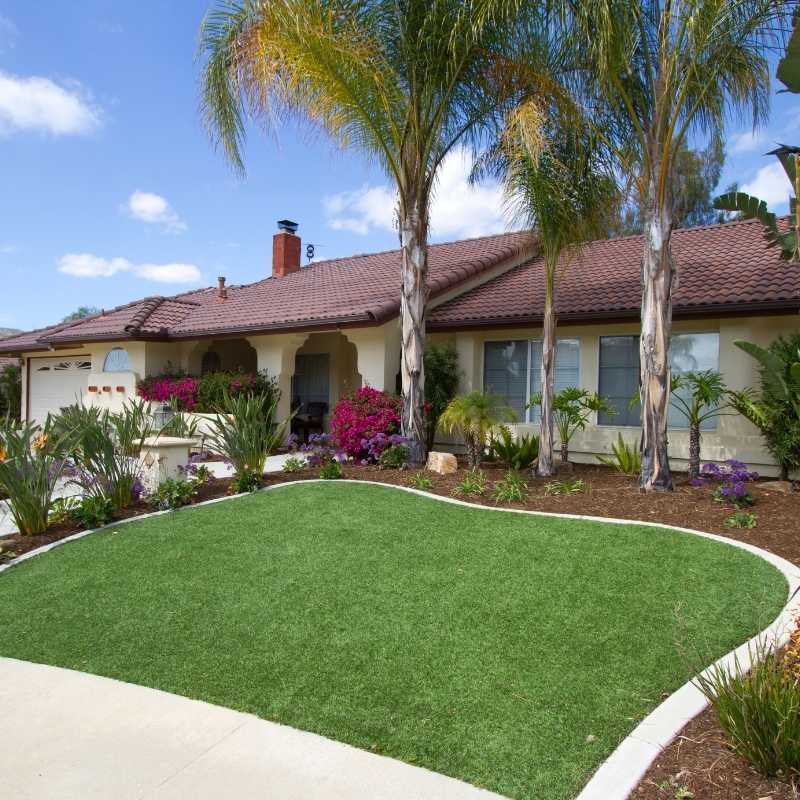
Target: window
<point x="117" y="360"/>
<point x="619" y="379"/>
<point x="692" y="352"/>
<point x="512" y="369"/>
<point x="619" y="373"/>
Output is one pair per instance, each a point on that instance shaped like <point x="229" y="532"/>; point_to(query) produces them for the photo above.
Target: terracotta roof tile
<point x="362" y="288"/>
<point x="719" y="267"/>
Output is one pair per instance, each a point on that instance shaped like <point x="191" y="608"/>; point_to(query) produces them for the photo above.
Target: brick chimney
<point x="285" y="249"/>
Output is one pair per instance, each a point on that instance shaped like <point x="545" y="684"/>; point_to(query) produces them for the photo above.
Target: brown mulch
<point x="698" y="765"/>
<point x="14" y="546"/>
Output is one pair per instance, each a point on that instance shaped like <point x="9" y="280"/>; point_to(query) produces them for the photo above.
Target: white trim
<point x="622" y="771"/>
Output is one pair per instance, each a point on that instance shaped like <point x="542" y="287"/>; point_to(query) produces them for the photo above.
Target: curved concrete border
<point x="619" y="775"/>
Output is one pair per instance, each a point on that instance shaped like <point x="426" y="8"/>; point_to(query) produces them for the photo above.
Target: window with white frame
<point x="619" y="373"/>
<point x="512" y="370"/>
<point x="117" y="360"/>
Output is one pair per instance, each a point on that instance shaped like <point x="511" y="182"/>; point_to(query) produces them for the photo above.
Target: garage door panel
<point x="55" y="383"/>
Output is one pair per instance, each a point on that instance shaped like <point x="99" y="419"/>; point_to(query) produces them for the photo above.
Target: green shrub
<point x="759" y="711"/>
<point x="245" y="433"/>
<point x="173" y="493"/>
<point x="624" y="458"/>
<point x="741" y="519"/>
<point x="567" y="486"/>
<point x="179" y="424"/>
<point x="62" y="508"/>
<point x="474" y="483"/>
<point x="330" y="470"/>
<point x="92" y="511"/>
<point x="518" y="454"/>
<point x="512" y="489"/>
<point x="11" y="391"/>
<point x="394" y="457"/>
<point x="294" y="464"/>
<point x="201" y="474"/>
<point x="214" y="387"/>
<point x="441" y="384"/>
<point x="32" y="460"/>
<point x="246" y="481"/>
<point x="421" y="481"/>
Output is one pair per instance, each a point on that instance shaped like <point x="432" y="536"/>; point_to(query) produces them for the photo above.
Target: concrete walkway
<point x="71" y="736"/>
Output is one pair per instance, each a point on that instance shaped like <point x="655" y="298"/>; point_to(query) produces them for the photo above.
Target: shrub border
<point x="622" y="771"/>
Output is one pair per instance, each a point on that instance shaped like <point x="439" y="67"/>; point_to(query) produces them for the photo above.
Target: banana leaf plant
<point x="787" y="239"/>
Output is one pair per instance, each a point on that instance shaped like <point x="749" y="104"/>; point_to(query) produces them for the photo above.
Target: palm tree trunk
<point x="545" y="466"/>
<point x="694" y="450"/>
<point x="655" y="378"/>
<point x="413" y="300"/>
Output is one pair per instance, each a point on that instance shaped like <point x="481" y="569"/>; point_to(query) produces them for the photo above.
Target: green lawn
<point x="482" y="645"/>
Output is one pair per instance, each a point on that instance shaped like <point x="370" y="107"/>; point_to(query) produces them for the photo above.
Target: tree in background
<point x="697" y="173"/>
<point x="654" y="73"/>
<point x="11" y="391"/>
<point x="80" y="313"/>
<point x="749" y="207"/>
<point x="441" y="384"/>
<point x="559" y="185"/>
<point x="402" y="83"/>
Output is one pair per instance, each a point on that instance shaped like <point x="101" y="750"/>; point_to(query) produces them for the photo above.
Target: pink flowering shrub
<point x="361" y="417"/>
<point x="163" y="389"/>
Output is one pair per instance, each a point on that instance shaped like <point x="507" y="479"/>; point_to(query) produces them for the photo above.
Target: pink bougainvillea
<point x="162" y="390"/>
<point x="360" y="417"/>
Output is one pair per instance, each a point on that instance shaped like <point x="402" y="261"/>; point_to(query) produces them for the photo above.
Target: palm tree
<point x="558" y="182"/>
<point x="403" y="83"/>
<point x="473" y="416"/>
<point x="655" y="72"/>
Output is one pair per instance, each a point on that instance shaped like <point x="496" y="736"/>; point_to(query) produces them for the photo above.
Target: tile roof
<point x="360" y="289"/>
<point x="721" y="268"/>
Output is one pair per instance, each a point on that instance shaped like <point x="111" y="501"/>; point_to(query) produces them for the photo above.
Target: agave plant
<point x="31" y="463"/>
<point x="518" y="453"/>
<point x="244" y="432"/>
<point x="624" y="458"/>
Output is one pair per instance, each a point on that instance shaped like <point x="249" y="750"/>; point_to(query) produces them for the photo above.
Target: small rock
<point x="784" y="487"/>
<point x="442" y="463"/>
<point x="591" y="738"/>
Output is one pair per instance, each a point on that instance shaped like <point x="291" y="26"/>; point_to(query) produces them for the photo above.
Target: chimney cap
<point x="287" y="225"/>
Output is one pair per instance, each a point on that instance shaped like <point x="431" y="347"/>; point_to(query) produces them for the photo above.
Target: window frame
<point x="608" y="425"/>
<point x="117" y="371"/>
<point x="529" y="341"/>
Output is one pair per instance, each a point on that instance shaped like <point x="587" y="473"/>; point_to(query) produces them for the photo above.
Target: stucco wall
<point x="734" y="436"/>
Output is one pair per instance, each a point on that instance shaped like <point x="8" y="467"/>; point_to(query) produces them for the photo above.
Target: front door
<point x="312" y="380"/>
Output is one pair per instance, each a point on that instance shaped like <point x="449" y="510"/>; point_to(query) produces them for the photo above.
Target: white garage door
<point x="55" y="383"/>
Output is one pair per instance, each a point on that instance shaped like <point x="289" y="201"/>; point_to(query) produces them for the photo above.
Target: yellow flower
<point x="40" y="441"/>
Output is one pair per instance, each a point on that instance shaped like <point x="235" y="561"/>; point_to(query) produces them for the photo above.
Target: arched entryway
<point x="223" y="355"/>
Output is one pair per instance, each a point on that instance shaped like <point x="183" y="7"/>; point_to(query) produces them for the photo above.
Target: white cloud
<point x="746" y="142"/>
<point x="458" y="209"/>
<point x="169" y="273"/>
<point x="770" y="184"/>
<point x="39" y="104"/>
<point x="154" y="210"/>
<point x="87" y="265"/>
<point x="6" y="248"/>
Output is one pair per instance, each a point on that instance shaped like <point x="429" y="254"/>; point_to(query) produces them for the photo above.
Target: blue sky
<point x="110" y="189"/>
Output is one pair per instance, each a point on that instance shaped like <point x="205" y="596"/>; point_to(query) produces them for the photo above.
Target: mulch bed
<point x="698" y="765"/>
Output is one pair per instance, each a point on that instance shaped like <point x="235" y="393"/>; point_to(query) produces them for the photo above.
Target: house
<point x="328" y="328"/>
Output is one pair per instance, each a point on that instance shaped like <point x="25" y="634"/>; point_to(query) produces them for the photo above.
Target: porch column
<point x="378" y="353"/>
<point x="276" y="355"/>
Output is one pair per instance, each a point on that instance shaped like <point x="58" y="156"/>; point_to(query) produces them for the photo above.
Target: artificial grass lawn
<point x="486" y="646"/>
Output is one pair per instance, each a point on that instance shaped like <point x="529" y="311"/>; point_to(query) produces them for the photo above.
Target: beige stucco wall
<point x="734" y="436"/>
